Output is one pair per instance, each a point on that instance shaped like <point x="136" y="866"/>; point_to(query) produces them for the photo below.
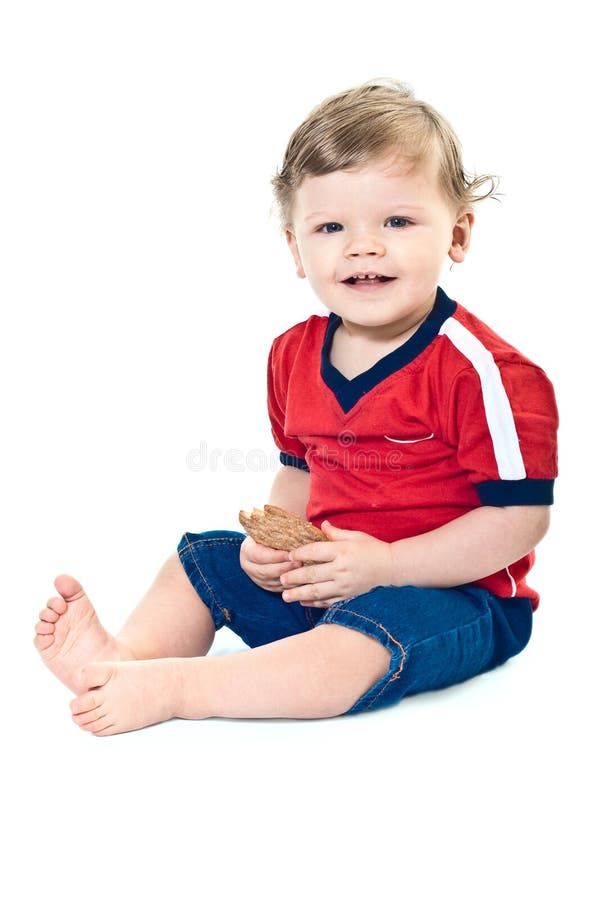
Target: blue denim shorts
<point x="436" y="637"/>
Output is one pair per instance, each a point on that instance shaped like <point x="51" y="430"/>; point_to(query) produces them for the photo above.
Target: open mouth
<point x="379" y="279"/>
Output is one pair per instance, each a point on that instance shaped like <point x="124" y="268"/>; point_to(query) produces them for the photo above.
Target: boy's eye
<point x="328" y="225"/>
<point x="334" y="227"/>
<point x="399" y="222"/>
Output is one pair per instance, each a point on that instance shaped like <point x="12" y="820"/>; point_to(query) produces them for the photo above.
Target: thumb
<point x="337" y="534"/>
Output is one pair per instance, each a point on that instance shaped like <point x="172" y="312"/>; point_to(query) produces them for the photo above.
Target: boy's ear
<point x="461" y="237"/>
<point x="293" y="245"/>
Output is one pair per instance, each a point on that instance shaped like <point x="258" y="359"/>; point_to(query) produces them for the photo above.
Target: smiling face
<point x="385" y="219"/>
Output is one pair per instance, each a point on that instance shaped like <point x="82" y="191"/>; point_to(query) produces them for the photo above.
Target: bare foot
<point x="69" y="634"/>
<point x="125" y="696"/>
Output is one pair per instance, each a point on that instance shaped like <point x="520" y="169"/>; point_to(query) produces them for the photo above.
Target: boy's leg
<point x="171" y="620"/>
<point x="315" y="674"/>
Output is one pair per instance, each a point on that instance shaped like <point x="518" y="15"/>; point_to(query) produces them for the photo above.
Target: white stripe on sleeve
<point x="498" y="412"/>
<point x="513" y="583"/>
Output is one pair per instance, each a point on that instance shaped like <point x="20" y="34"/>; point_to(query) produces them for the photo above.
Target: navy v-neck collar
<point x="349" y="390"/>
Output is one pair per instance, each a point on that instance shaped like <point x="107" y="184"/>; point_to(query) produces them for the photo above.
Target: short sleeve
<point x="292" y="451"/>
<point x="503" y="420"/>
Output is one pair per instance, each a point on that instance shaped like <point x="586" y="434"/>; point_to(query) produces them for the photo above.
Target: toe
<point x="85" y="703"/>
<point x="43" y="641"/>
<point x="95" y="726"/>
<point x="49" y="615"/>
<point x="68" y="587"/>
<point x="100" y="729"/>
<point x="86" y="720"/>
<point x="88" y="712"/>
<point x="57" y="605"/>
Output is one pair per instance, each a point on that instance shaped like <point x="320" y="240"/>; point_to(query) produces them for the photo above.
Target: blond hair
<point x="365" y="123"/>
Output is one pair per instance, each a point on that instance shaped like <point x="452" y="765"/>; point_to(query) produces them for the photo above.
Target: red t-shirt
<point x="454" y="419"/>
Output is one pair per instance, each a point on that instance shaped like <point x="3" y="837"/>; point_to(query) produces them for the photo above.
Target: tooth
<point x="372" y="276"/>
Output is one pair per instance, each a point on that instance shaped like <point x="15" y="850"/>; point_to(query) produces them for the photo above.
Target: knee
<point x="360" y="662"/>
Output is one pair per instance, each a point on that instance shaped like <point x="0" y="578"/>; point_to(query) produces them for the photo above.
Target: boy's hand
<point x="264" y="565"/>
<point x="350" y="563"/>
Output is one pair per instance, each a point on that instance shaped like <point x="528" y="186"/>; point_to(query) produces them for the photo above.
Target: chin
<point x="372" y="311"/>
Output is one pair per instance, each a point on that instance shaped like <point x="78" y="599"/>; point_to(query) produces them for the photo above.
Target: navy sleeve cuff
<point x="287" y="459"/>
<point x="524" y="492"/>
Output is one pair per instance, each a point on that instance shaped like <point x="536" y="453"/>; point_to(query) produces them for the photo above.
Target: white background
<point x="142" y="280"/>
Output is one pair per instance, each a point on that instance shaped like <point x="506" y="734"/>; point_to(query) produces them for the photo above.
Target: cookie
<point x="279" y="529"/>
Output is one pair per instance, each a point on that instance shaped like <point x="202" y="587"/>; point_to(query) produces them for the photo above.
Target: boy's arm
<point x="471" y="547"/>
<point x="290" y="490"/>
<point x="483" y="541"/>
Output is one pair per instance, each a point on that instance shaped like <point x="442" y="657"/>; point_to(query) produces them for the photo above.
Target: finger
<point x="279" y="569"/>
<point x="323" y="590"/>
<point x="320" y="551"/>
<point x="262" y="555"/>
<point x="338" y="534"/>
<point x="272" y="573"/>
<point x="307" y="575"/>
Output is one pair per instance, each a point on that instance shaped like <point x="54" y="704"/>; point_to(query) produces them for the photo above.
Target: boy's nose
<point x="363" y="245"/>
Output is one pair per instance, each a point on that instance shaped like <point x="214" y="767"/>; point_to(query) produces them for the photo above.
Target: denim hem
<point x="372" y="628"/>
<point x="193" y="571"/>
